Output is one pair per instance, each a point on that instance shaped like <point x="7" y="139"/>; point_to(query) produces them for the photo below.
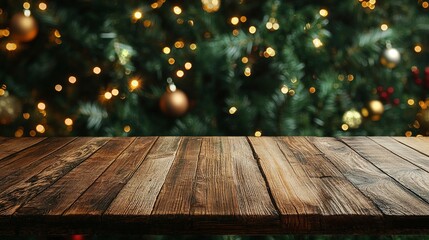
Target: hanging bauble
<point x="423" y="119"/>
<point x="390" y="57"/>
<point x="174" y="103"/>
<point x="352" y="118"/>
<point x="376" y="109"/>
<point x="211" y="5"/>
<point x="23" y="28"/>
<point x="10" y="108"/>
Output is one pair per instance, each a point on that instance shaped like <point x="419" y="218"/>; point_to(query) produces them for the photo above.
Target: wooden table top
<point x="214" y="185"/>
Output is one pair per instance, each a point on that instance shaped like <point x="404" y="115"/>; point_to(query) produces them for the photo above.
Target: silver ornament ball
<point x="390" y="57"/>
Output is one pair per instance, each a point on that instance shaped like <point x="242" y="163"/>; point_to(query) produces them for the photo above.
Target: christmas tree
<point x="214" y="67"/>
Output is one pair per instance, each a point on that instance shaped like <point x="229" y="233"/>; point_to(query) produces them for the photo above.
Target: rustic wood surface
<point x="214" y="185"/>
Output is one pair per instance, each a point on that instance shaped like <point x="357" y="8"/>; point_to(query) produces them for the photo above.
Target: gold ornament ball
<point x="211" y="5"/>
<point x="423" y="119"/>
<point x="174" y="104"/>
<point x="10" y="108"/>
<point x="23" y="28"/>
<point x="390" y="57"/>
<point x="352" y="118"/>
<point x="376" y="109"/>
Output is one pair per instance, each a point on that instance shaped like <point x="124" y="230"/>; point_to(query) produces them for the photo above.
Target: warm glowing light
<point x="411" y="102"/>
<point x="252" y="29"/>
<point x="345" y="127"/>
<point x="234" y="20"/>
<point x="244" y="60"/>
<point x="323" y="12"/>
<point x="11" y="46"/>
<point x="317" y="43"/>
<point x="72" y="79"/>
<point x="312" y="90"/>
<point x="26" y="116"/>
<point x="180" y="73"/>
<point x="134" y="83"/>
<point x="188" y="65"/>
<point x="96" y="70"/>
<point x="177" y="10"/>
<point x="171" y="61"/>
<point x="58" y="88"/>
<point x="417" y="48"/>
<point x="43" y="6"/>
<point x="247" y="71"/>
<point x="40" y="128"/>
<point x="350" y="77"/>
<point x="284" y="89"/>
<point x="57" y="33"/>
<point x="243" y="19"/>
<point x="258" y="133"/>
<point x="384" y="27"/>
<point x="179" y="44"/>
<point x="5" y="32"/>
<point x="408" y="134"/>
<point x="26" y="5"/>
<point x="19" y="132"/>
<point x="137" y="15"/>
<point x="166" y="50"/>
<point x="127" y="128"/>
<point x="115" y="92"/>
<point x="68" y="121"/>
<point x="33" y="133"/>
<point x="235" y="32"/>
<point x="365" y="112"/>
<point x="232" y="110"/>
<point x="107" y="95"/>
<point x="41" y="106"/>
<point x="2" y="92"/>
<point x="270" y="51"/>
<point x="193" y="46"/>
<point x="425" y="4"/>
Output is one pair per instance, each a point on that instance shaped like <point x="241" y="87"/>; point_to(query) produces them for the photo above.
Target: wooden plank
<point x="98" y="197"/>
<point x="138" y="196"/>
<point x="14" y="145"/>
<point x="404" y="151"/>
<point x="212" y="184"/>
<point x="17" y="162"/>
<point x="29" y="182"/>
<point x="420" y="144"/>
<point x="406" y="173"/>
<point x="309" y="191"/>
<point x="402" y="209"/>
<point x="63" y="193"/>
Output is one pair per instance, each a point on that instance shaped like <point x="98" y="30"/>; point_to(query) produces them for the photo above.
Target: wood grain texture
<point x="96" y="199"/>
<point x="302" y="183"/>
<point x="404" y="172"/>
<point x="27" y="183"/>
<point x="63" y="193"/>
<point x="420" y="144"/>
<point x="21" y="160"/>
<point x="138" y="196"/>
<point x="14" y="145"/>
<point x="389" y="196"/>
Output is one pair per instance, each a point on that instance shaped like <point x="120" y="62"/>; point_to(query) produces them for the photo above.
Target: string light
<point x="127" y="128"/>
<point x="425" y="4"/>
<point x="115" y="92"/>
<point x="26" y="116"/>
<point x="258" y="133"/>
<point x="166" y="50"/>
<point x="43" y="6"/>
<point x="417" y="48"/>
<point x="26" y="5"/>
<point x="2" y="92"/>
<point x="58" y="88"/>
<point x="235" y="32"/>
<point x="323" y="12"/>
<point x="137" y="15"/>
<point x="284" y="89"/>
<point x="408" y="134"/>
<point x="317" y="43"/>
<point x="32" y="133"/>
<point x="96" y="70"/>
<point x="312" y="90"/>
<point x="107" y="95"/>
<point x="72" y="79"/>
<point x="188" y="65"/>
<point x="243" y="19"/>
<point x="180" y="73"/>
<point x="269" y="52"/>
<point x="247" y="71"/>
<point x="350" y="77"/>
<point x="41" y="106"/>
<point x="40" y="128"/>
<point x="134" y="83"/>
<point x="411" y="102"/>
<point x="179" y="44"/>
<point x="57" y="33"/>
<point x="384" y="27"/>
<point x="68" y="121"/>
<point x="345" y="127"/>
<point x="11" y="46"/>
<point x="171" y="61"/>
<point x="252" y="29"/>
<point x="244" y="60"/>
<point x="193" y="46"/>
<point x="177" y="10"/>
<point x="19" y="132"/>
<point x="234" y="20"/>
<point x="232" y="110"/>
